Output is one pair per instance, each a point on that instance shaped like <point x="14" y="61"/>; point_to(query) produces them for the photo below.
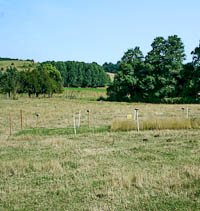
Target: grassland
<point x="44" y="166"/>
<point x="19" y="64"/>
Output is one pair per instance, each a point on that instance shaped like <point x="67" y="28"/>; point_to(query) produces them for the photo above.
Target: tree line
<point x="50" y="77"/>
<point x="44" y="79"/>
<point x="160" y="76"/>
<point x="80" y="74"/>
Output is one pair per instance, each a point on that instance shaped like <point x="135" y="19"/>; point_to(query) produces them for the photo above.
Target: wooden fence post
<point x="79" y="119"/>
<point x="88" y="111"/>
<point x="134" y="117"/>
<point x="137" y="119"/>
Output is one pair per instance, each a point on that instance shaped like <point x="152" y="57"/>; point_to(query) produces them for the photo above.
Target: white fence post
<point x="79" y="119"/>
<point x="137" y="118"/>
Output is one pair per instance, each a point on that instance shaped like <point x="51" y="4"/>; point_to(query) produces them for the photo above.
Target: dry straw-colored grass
<point x="98" y="171"/>
<point x="155" y="124"/>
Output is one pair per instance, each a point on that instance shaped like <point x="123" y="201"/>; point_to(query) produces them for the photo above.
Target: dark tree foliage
<point x="196" y="55"/>
<point x="110" y="67"/>
<point x="9" y="82"/>
<point x="159" y="77"/>
<point x="7" y="59"/>
<point x="166" y="59"/>
<point x="80" y="74"/>
<point x="190" y="78"/>
<point x="45" y="79"/>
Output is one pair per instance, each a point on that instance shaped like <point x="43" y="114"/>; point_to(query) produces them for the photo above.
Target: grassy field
<point x="44" y="166"/>
<point x="19" y="64"/>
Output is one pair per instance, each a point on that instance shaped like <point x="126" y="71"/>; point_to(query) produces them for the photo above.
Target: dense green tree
<point x="156" y="77"/>
<point x="45" y="79"/>
<point x="54" y="82"/>
<point x="110" y="67"/>
<point x="130" y="78"/>
<point x="80" y="74"/>
<point x="165" y="61"/>
<point x="196" y="55"/>
<point x="133" y="56"/>
<point x="123" y="84"/>
<point x="190" y="83"/>
<point x="9" y="82"/>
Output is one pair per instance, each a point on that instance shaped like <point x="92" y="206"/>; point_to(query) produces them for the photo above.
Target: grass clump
<point x="155" y="124"/>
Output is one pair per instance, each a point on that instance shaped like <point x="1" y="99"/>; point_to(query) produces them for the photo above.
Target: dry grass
<point x="97" y="171"/>
<point x="156" y="124"/>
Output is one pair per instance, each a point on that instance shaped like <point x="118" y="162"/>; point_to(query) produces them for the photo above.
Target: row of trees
<point x="44" y="79"/>
<point x="160" y="76"/>
<point x="110" y="67"/>
<point x="50" y="77"/>
<point x="80" y="74"/>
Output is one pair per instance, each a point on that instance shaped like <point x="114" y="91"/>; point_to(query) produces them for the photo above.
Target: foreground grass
<point x="110" y="171"/>
<point x="45" y="167"/>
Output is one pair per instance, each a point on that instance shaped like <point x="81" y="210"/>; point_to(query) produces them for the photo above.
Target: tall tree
<point x="133" y="56"/>
<point x="9" y="82"/>
<point x="123" y="85"/>
<point x="196" y="55"/>
<point x="166" y="59"/>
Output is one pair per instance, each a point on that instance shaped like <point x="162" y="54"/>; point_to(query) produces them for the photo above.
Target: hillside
<point x="26" y="64"/>
<point x="19" y="64"/>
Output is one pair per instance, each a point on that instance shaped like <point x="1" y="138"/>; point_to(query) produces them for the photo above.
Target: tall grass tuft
<point x="156" y="124"/>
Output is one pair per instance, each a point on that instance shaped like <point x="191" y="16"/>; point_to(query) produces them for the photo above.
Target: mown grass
<point x="43" y="167"/>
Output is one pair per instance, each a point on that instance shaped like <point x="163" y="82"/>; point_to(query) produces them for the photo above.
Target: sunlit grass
<point x="44" y="166"/>
<point x="155" y="124"/>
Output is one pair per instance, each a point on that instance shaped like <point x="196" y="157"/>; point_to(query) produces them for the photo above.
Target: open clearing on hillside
<point x="19" y="64"/>
<point x="97" y="169"/>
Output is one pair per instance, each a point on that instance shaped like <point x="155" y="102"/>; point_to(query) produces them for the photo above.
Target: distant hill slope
<point x="112" y="75"/>
<point x="19" y="64"/>
<point x="26" y="64"/>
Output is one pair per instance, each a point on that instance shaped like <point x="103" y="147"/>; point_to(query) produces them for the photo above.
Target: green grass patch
<point x="62" y="131"/>
<point x="86" y="89"/>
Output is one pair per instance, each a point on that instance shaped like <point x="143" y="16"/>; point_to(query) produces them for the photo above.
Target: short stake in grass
<point x="79" y="119"/>
<point x="137" y="119"/>
<point x="37" y="116"/>
<point x="134" y="117"/>
<point x="88" y="111"/>
<point x="183" y="109"/>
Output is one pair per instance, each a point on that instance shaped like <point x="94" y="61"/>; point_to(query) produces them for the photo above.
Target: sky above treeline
<point x="93" y="30"/>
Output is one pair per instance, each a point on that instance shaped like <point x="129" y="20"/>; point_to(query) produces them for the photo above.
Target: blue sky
<point x="93" y="30"/>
